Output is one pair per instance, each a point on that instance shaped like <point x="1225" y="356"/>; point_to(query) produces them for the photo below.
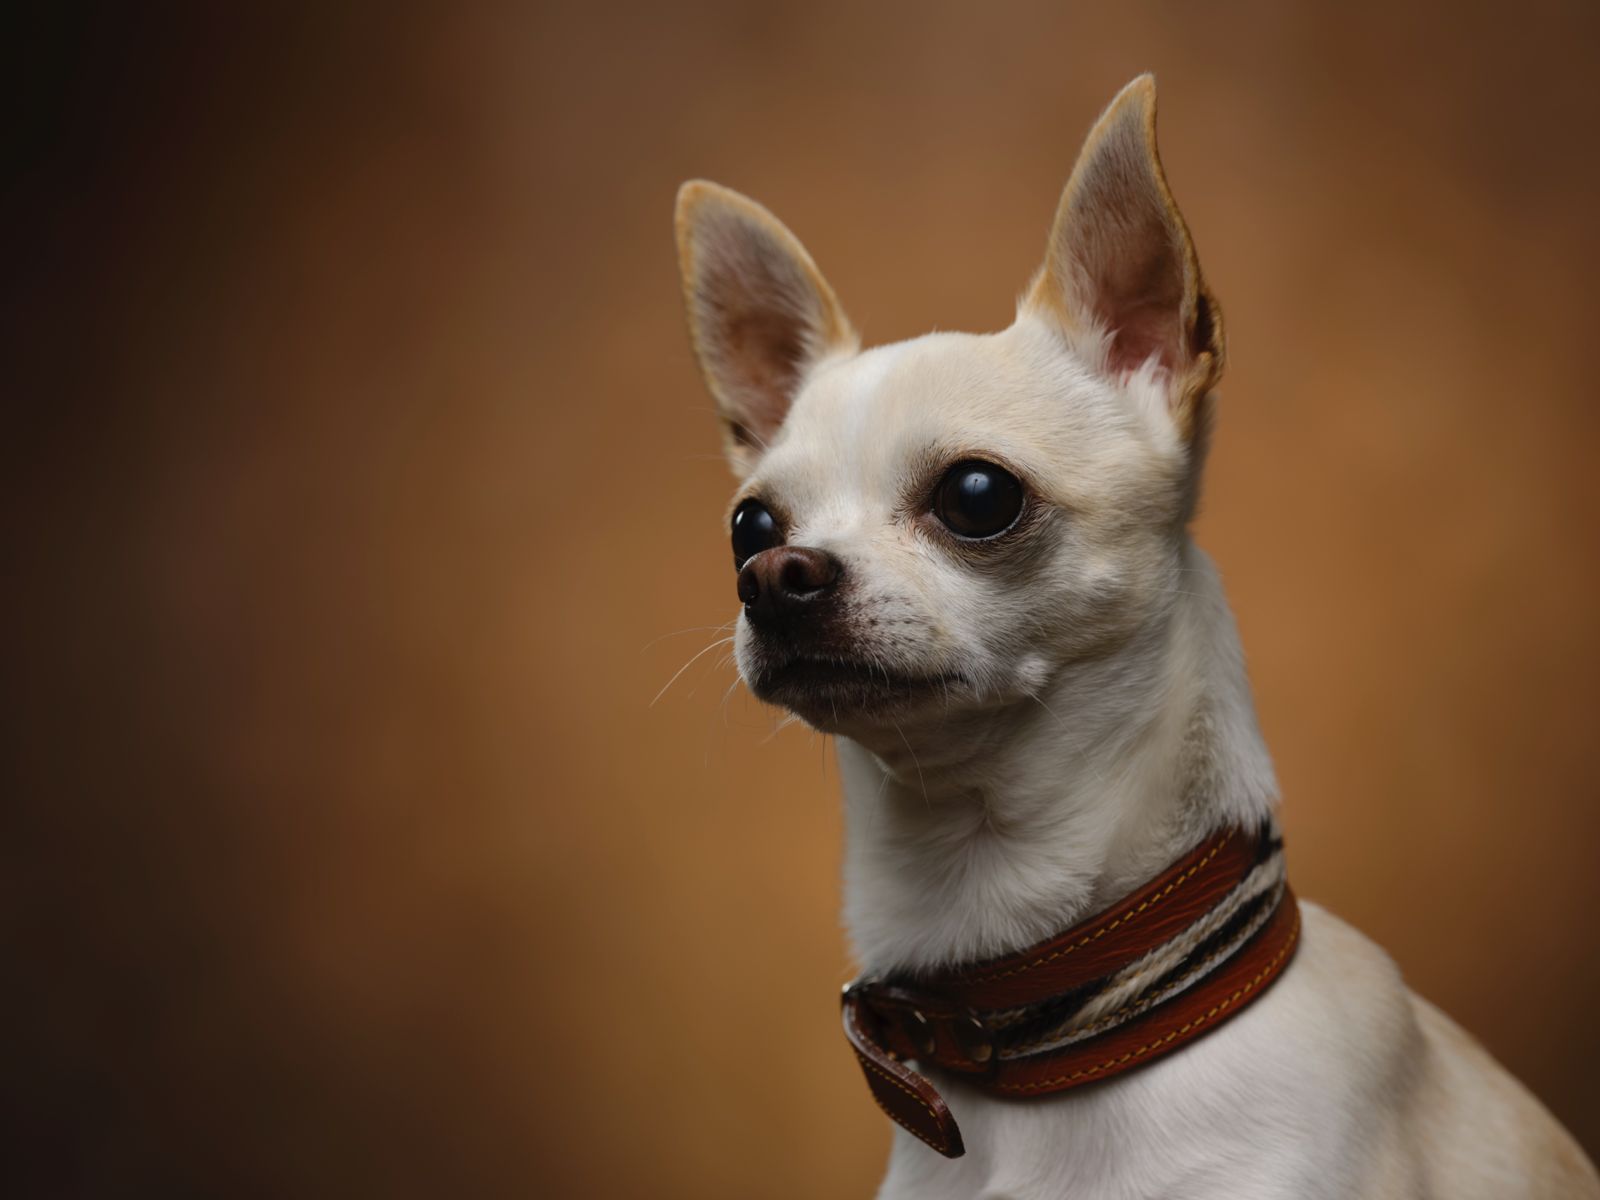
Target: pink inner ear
<point x="1139" y="296"/>
<point x="759" y="317"/>
<point x="1142" y="333"/>
<point x="764" y="350"/>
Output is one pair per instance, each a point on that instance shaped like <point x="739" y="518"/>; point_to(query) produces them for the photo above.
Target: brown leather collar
<point x="1176" y="959"/>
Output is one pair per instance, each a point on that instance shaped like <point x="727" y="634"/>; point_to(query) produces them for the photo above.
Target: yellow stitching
<point x="876" y="1070"/>
<point x="1122" y="1015"/>
<point x="1178" y="1032"/>
<point x="923" y="1138"/>
<point x="1105" y="929"/>
<point x="879" y="1071"/>
<point x="872" y="1066"/>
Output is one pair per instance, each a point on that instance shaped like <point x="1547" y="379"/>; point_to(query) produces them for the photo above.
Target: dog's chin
<point x="837" y="695"/>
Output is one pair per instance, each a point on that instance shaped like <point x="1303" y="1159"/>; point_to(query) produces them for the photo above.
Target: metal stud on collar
<point x="918" y="1029"/>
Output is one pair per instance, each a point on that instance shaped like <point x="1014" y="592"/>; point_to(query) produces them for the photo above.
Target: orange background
<point x="362" y="494"/>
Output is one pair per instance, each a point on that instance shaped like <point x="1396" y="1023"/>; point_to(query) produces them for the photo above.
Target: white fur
<point x="1095" y="720"/>
<point x="1063" y="781"/>
<point x="979" y="829"/>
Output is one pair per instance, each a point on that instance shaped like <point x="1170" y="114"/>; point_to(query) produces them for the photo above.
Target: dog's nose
<point x="781" y="582"/>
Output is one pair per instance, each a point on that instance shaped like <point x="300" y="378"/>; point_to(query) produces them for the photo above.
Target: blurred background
<point x="361" y="495"/>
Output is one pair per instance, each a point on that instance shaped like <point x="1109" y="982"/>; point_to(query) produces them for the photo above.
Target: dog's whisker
<point x="917" y="762"/>
<point x="724" y="628"/>
<point x="727" y="694"/>
<point x="1067" y="739"/>
<point x="696" y="658"/>
<point x="781" y="724"/>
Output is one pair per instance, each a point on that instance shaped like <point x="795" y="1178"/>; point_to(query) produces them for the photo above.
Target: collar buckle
<point x="911" y="1024"/>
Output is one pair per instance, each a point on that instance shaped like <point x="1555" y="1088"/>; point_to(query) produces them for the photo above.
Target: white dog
<point x="968" y="557"/>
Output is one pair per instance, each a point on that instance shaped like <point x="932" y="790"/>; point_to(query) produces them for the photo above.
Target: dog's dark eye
<point x="978" y="499"/>
<point x="754" y="530"/>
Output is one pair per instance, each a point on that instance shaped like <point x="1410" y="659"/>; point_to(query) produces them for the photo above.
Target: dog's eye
<point x="978" y="499"/>
<point x="754" y="530"/>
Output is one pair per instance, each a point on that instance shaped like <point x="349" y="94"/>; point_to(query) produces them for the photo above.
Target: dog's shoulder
<point x="1344" y="990"/>
<point x="1435" y="1105"/>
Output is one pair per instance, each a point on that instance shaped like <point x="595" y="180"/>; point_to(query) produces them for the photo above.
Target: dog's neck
<point x="978" y="836"/>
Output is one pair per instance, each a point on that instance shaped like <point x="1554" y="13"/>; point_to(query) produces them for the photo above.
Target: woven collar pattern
<point x="1180" y="956"/>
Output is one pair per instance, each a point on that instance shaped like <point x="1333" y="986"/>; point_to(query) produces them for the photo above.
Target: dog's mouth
<point x="837" y="687"/>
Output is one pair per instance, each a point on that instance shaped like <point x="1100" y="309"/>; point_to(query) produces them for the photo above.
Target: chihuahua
<point x="967" y="557"/>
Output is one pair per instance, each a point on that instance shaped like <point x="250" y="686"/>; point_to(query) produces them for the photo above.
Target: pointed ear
<point x="760" y="314"/>
<point x="1120" y="274"/>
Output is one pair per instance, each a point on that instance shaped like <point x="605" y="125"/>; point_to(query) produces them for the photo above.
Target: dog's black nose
<point x="784" y="581"/>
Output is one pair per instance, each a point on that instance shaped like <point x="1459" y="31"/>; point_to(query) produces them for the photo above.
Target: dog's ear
<point x="760" y="313"/>
<point x="1120" y="273"/>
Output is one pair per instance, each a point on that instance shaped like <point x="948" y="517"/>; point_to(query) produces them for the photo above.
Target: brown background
<point x="361" y="491"/>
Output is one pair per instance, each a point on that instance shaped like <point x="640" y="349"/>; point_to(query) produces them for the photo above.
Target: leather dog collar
<point x="1176" y="959"/>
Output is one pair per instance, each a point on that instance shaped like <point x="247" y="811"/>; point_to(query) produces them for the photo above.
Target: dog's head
<point x="947" y="524"/>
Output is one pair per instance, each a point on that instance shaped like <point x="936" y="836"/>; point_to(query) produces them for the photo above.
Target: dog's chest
<point x="1084" y="1147"/>
<point x="1267" y="1106"/>
<point x="1133" y="1146"/>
